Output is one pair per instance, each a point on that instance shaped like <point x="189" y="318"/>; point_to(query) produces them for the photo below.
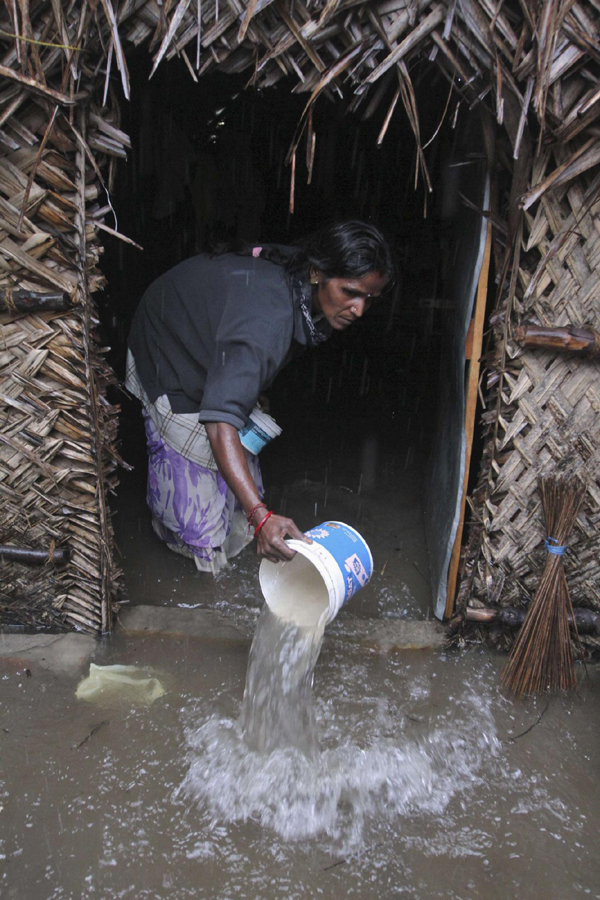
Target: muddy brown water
<point x="428" y="783"/>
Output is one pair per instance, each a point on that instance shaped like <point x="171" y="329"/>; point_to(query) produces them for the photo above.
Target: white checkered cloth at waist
<point x="181" y="431"/>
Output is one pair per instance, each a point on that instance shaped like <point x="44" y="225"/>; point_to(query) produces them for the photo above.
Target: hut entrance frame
<point x="533" y="74"/>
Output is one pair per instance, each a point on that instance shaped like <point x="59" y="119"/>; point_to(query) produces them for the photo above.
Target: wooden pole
<point x="474" y="342"/>
<point x="586" y="621"/>
<point x="105" y="557"/>
<point x="567" y="339"/>
<point x="15" y="301"/>
<point x="33" y="556"/>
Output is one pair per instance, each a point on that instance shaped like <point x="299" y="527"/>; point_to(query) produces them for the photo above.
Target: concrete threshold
<point x="238" y="626"/>
<point x="69" y="653"/>
<point x="57" y="653"/>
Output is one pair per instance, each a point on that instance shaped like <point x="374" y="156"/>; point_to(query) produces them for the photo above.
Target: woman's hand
<point x="270" y="539"/>
<point x="231" y="460"/>
<point x="264" y="403"/>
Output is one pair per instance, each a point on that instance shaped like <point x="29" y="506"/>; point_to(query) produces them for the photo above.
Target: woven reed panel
<point x="57" y="430"/>
<point x="48" y="472"/>
<point x="550" y="413"/>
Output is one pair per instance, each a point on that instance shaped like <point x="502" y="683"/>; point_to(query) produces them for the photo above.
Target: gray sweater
<point x="213" y="332"/>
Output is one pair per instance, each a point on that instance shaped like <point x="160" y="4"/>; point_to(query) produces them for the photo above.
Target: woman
<point x="207" y="338"/>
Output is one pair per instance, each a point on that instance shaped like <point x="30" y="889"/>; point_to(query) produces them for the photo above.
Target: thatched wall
<point x="543" y="411"/>
<point x="532" y="69"/>
<point x="57" y="431"/>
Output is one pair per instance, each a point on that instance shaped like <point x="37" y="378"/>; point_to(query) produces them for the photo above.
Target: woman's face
<point x="343" y="300"/>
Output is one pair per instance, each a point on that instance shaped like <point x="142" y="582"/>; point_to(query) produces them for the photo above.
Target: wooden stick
<point x="568" y="338"/>
<point x="586" y="621"/>
<point x="31" y="301"/>
<point x="32" y="85"/>
<point x="471" y="406"/>
<point x="105" y="560"/>
<point x="30" y="556"/>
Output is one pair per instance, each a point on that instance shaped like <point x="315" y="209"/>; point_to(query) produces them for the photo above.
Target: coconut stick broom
<point x="542" y="658"/>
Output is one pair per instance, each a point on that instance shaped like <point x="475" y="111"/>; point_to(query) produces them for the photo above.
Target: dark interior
<point x="207" y="165"/>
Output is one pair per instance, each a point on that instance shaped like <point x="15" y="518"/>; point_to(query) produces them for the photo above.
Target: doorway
<point x="358" y="414"/>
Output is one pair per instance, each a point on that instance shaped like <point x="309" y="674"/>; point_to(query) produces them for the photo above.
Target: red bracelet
<point x="253" y="510"/>
<point x="262" y="522"/>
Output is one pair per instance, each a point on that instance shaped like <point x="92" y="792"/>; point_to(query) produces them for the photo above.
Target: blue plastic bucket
<point x="260" y="431"/>
<point x="322" y="576"/>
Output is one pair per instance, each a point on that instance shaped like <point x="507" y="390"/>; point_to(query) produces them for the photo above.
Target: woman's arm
<point x="231" y="461"/>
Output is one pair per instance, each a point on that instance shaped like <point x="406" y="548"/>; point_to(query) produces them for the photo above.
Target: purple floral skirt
<point x="192" y="508"/>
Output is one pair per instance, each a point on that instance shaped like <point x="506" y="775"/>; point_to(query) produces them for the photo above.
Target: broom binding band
<point x="552" y="546"/>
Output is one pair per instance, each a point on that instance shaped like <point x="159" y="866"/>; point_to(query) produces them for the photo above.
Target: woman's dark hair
<point x="343" y="250"/>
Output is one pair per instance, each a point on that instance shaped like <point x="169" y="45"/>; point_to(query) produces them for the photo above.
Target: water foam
<point x="345" y="786"/>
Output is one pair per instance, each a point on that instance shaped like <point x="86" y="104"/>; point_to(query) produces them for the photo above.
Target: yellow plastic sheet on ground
<point x="112" y="682"/>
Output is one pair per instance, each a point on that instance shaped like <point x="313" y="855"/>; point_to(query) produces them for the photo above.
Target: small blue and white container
<point x="260" y="431"/>
<point x="314" y="585"/>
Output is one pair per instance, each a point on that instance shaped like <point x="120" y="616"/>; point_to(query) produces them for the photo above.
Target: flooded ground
<point x="428" y="783"/>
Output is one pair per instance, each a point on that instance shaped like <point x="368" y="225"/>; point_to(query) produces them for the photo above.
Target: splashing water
<point x="267" y="766"/>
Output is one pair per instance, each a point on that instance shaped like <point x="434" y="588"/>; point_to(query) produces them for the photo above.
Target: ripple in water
<point x="267" y="767"/>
